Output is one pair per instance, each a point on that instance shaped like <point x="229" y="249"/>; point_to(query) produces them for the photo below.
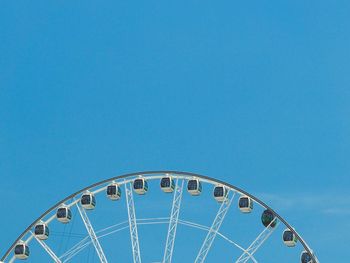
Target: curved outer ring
<point x="303" y="243"/>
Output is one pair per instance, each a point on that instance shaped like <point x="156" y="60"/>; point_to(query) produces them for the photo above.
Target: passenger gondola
<point x="305" y="257"/>
<point x="167" y="184"/>
<point x="268" y="219"/>
<point x="64" y="214"/>
<point x="220" y="193"/>
<point x="140" y="186"/>
<point x="21" y="250"/>
<point x="245" y="204"/>
<point x="41" y="231"/>
<point x="289" y="238"/>
<point x="88" y="201"/>
<point x="194" y="187"/>
<point x="113" y="191"/>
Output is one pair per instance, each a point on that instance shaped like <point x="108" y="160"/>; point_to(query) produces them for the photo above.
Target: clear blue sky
<point x="255" y="93"/>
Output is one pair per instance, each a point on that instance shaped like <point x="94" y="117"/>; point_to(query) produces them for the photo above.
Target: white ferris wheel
<point x="160" y="216"/>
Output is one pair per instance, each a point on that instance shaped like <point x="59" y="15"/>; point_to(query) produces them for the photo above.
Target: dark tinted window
<point x="243" y="202"/>
<point x="69" y="214"/>
<point x="192" y="185"/>
<point x="305" y="258"/>
<point x="288" y="236"/>
<point x="85" y="200"/>
<point x="165" y="182"/>
<point x="19" y="249"/>
<point x="61" y="212"/>
<point x="267" y="217"/>
<point x="111" y="190"/>
<point x="138" y="184"/>
<point x="39" y="230"/>
<point x="219" y="191"/>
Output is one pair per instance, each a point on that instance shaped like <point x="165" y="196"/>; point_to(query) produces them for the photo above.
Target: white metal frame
<point x="135" y="246"/>
<point x="48" y="250"/>
<point x="85" y="242"/>
<point x="92" y="233"/>
<point x="96" y="188"/>
<point x="219" y="218"/>
<point x="257" y="243"/>
<point x="174" y="217"/>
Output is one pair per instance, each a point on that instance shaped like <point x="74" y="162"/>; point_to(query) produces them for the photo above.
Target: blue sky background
<point x="255" y="93"/>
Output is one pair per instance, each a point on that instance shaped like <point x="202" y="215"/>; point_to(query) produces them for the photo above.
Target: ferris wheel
<point x="160" y="216"/>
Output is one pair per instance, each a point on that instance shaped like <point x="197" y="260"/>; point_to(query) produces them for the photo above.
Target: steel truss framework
<point x="135" y="246"/>
<point x="173" y="221"/>
<point x="85" y="242"/>
<point x="257" y="243"/>
<point x="48" y="250"/>
<point x="209" y="239"/>
<point x="92" y="234"/>
<point x="174" y="217"/>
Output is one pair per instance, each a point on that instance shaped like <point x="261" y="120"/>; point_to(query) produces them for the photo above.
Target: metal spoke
<point x="174" y="216"/>
<point x="132" y="223"/>
<point x="256" y="244"/>
<point x="48" y="250"/>
<point x="92" y="234"/>
<point x="81" y="245"/>
<point x="219" y="218"/>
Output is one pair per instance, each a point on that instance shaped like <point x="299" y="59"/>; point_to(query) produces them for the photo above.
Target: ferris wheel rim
<point x="184" y="174"/>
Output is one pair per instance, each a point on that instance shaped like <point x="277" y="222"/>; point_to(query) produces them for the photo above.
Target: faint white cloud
<point x="326" y="203"/>
<point x="337" y="211"/>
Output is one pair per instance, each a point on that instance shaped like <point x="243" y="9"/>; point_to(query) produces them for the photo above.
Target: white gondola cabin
<point x="289" y="238"/>
<point x="194" y="187"/>
<point x="245" y="204"/>
<point x="88" y="201"/>
<point x="167" y="184"/>
<point x="268" y="219"/>
<point x="220" y="193"/>
<point x="64" y="214"/>
<point x="113" y="191"/>
<point x="21" y="250"/>
<point x="41" y="231"/>
<point x="305" y="257"/>
<point x="140" y="186"/>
